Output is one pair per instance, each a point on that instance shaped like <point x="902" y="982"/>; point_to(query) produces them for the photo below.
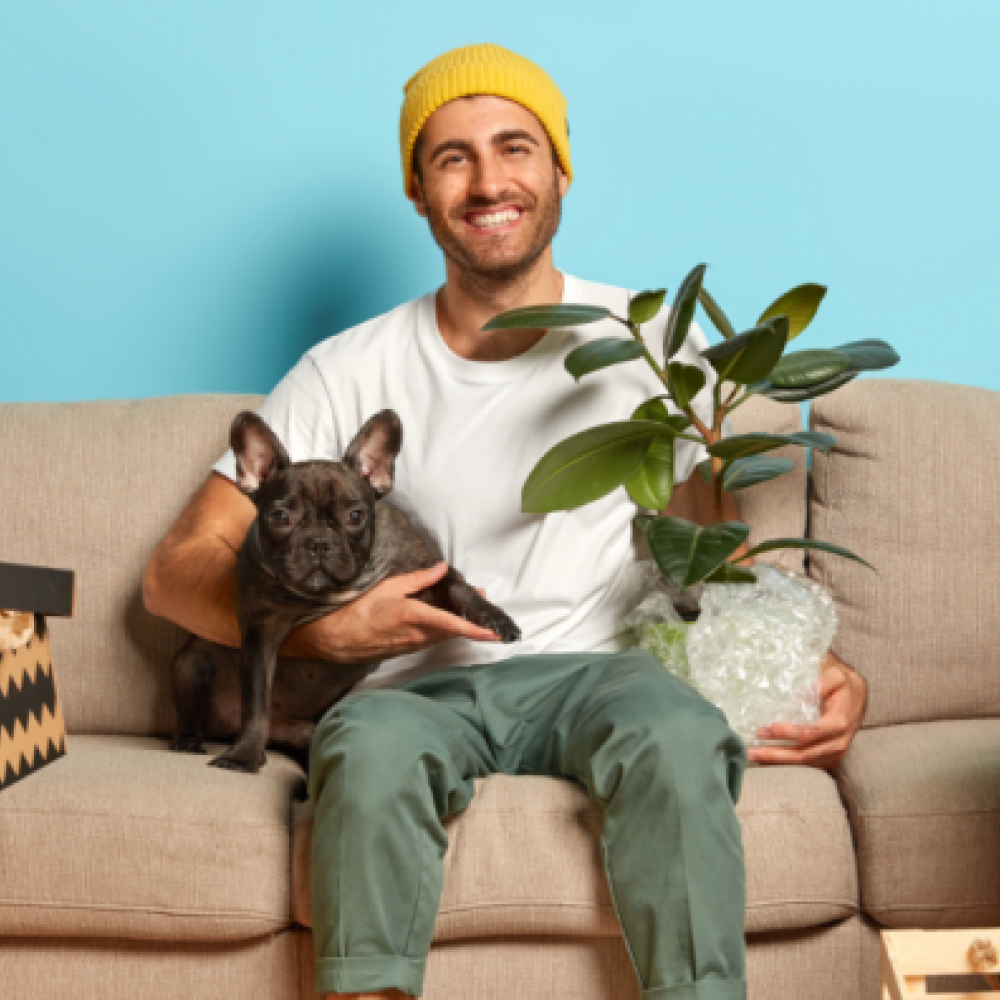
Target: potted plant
<point x="639" y="454"/>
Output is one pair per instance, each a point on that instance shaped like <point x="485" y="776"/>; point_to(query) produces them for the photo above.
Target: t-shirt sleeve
<point x="298" y="410"/>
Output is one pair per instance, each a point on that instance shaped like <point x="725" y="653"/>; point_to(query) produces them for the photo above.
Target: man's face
<point x="488" y="185"/>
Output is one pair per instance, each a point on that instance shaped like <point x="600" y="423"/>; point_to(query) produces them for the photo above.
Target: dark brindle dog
<point x="324" y="535"/>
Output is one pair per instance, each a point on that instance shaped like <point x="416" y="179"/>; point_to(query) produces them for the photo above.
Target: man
<point x="485" y="157"/>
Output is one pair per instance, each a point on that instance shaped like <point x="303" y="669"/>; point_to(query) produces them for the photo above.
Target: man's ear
<point x="563" y="182"/>
<point x="372" y="453"/>
<point x="259" y="454"/>
<point x="416" y="194"/>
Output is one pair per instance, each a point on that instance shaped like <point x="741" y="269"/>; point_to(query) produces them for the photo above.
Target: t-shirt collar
<point x="548" y="348"/>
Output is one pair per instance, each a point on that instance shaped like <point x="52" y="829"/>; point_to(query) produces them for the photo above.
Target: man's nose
<point x="489" y="178"/>
<point x="319" y="546"/>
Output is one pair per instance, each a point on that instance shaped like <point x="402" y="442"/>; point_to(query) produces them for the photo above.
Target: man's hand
<point x="385" y="622"/>
<point x="824" y="743"/>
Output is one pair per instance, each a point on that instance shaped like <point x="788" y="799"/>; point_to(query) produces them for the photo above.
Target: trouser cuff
<point x="367" y="975"/>
<point x="705" y="989"/>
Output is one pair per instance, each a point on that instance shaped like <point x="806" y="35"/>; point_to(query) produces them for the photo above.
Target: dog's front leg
<point x="258" y="662"/>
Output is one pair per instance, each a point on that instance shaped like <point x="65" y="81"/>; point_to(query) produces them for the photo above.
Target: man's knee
<point x="684" y="742"/>
<point x="377" y="735"/>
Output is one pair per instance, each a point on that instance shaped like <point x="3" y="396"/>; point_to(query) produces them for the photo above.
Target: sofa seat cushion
<point x="524" y="857"/>
<point x="924" y="802"/>
<point x="122" y="838"/>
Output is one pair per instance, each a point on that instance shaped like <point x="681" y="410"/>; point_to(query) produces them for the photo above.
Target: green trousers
<point x="387" y="766"/>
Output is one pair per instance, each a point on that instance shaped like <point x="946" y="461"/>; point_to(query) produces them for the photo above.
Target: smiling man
<point x="486" y="159"/>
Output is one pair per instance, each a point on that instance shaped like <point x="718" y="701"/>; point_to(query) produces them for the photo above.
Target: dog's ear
<point x="372" y="453"/>
<point x="259" y="454"/>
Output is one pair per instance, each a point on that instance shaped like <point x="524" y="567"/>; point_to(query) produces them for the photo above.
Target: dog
<point x="325" y="533"/>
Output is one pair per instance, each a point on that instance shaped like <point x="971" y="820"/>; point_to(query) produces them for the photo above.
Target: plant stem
<point x="708" y="437"/>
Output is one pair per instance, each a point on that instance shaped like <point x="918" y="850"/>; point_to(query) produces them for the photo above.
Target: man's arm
<point x="191" y="580"/>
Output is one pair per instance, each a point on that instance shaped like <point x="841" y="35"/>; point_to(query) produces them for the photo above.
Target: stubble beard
<point x="484" y="267"/>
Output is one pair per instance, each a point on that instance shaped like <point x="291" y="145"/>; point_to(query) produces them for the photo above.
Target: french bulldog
<point x="324" y="534"/>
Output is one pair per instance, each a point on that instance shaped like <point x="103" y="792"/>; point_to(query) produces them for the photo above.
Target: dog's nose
<point x="319" y="547"/>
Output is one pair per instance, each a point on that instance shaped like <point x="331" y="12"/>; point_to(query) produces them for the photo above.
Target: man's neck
<point x="466" y="303"/>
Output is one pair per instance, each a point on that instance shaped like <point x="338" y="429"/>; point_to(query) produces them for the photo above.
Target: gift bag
<point x="32" y="730"/>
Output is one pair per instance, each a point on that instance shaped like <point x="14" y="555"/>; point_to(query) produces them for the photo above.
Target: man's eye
<point x="279" y="516"/>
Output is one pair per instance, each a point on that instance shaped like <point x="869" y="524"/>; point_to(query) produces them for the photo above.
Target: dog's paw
<point x="230" y="761"/>
<point x="187" y="744"/>
<point x="497" y="620"/>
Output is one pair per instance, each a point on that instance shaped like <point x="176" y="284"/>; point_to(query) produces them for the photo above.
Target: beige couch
<point x="130" y="872"/>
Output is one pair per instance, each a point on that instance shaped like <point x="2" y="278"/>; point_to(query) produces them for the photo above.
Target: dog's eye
<point x="357" y="517"/>
<point x="279" y="516"/>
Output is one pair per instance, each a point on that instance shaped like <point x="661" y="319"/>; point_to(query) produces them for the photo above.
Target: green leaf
<point x="588" y="465"/>
<point x="682" y="313"/>
<point x="751" y="355"/>
<point x="808" y="367"/>
<point x="686" y="381"/>
<point x="870" y="355"/>
<point x="601" y="353"/>
<point x="799" y="305"/>
<point x="741" y="473"/>
<point x="646" y="305"/>
<point x="656" y="409"/>
<point x="687" y="552"/>
<point x="728" y="573"/>
<point x="744" y="445"/>
<point x="715" y="314"/>
<point x="653" y="483"/>
<point x="800" y="395"/>
<point x="644" y="521"/>
<point x="745" y="472"/>
<point x="806" y="543"/>
<point x="547" y="317"/>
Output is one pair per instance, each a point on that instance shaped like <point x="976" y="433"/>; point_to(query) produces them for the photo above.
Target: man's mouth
<point x="494" y="220"/>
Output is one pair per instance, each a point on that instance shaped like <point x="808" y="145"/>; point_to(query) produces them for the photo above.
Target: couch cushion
<point x="122" y="838"/>
<point x="924" y="802"/>
<point x="524" y="857"/>
<point x="97" y="486"/>
<point x="912" y="487"/>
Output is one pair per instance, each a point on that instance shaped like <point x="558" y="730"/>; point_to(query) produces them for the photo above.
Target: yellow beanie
<point x="482" y="69"/>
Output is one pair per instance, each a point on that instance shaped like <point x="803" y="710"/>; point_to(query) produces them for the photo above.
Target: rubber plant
<point x="639" y="453"/>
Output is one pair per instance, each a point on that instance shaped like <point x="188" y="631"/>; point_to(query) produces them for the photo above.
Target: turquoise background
<point x="193" y="192"/>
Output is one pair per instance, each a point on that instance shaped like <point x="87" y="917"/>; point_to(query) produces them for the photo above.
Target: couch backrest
<point x="913" y="486"/>
<point x="776" y="509"/>
<point x="93" y="487"/>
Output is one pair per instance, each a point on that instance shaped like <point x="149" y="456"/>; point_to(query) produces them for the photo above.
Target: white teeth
<point x="495" y="219"/>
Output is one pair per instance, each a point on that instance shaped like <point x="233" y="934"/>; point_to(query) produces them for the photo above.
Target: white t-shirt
<point x="472" y="433"/>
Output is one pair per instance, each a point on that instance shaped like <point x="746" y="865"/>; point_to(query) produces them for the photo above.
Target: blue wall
<point x="193" y="192"/>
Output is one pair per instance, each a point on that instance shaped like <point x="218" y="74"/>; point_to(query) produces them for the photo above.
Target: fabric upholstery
<point x="911" y="486"/>
<point x="523" y="858"/>
<point x="77" y="969"/>
<point x="924" y="803"/>
<point x="122" y="838"/>
<point x="99" y="484"/>
<point x="821" y="963"/>
<point x="776" y="509"/>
